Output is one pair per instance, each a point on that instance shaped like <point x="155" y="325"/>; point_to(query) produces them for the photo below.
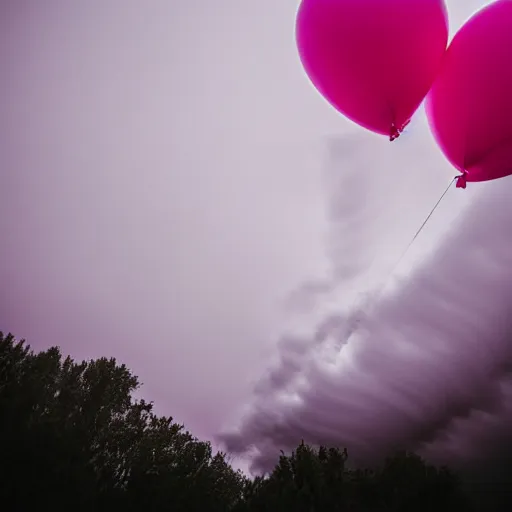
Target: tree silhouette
<point x="73" y="438"/>
<point x="311" y="480"/>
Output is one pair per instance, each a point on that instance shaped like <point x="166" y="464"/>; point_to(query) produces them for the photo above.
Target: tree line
<point x="72" y="437"/>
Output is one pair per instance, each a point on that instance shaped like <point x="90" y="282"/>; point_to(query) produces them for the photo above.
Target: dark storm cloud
<point x="426" y="367"/>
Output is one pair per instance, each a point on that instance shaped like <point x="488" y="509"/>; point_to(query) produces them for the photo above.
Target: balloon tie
<point x="461" y="180"/>
<point x="395" y="131"/>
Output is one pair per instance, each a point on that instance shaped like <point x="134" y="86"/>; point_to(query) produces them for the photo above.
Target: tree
<point x="305" y="481"/>
<point x="406" y="482"/>
<point x="311" y="480"/>
<point x="72" y="437"/>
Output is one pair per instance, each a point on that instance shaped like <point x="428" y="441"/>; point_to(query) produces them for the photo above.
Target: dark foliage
<point x="73" y="438"/>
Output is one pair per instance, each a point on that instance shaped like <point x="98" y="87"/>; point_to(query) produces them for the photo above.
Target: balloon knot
<point x="462" y="180"/>
<point x="394" y="133"/>
<point x="395" y="130"/>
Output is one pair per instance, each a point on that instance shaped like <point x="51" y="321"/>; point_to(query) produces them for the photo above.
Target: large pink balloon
<point x="470" y="105"/>
<point x="373" y="60"/>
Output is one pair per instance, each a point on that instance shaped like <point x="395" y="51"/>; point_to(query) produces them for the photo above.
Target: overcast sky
<point x="176" y="194"/>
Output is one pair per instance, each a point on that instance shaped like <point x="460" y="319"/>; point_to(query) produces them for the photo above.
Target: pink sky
<point x="177" y="195"/>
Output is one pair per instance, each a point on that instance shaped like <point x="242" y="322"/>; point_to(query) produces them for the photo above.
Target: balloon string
<point x="363" y="311"/>
<point x="421" y="227"/>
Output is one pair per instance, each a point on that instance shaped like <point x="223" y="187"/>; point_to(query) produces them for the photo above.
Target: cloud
<point x="424" y="365"/>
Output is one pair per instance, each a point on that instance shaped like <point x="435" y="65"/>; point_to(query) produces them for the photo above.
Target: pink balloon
<point x="470" y="105"/>
<point x="373" y="60"/>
